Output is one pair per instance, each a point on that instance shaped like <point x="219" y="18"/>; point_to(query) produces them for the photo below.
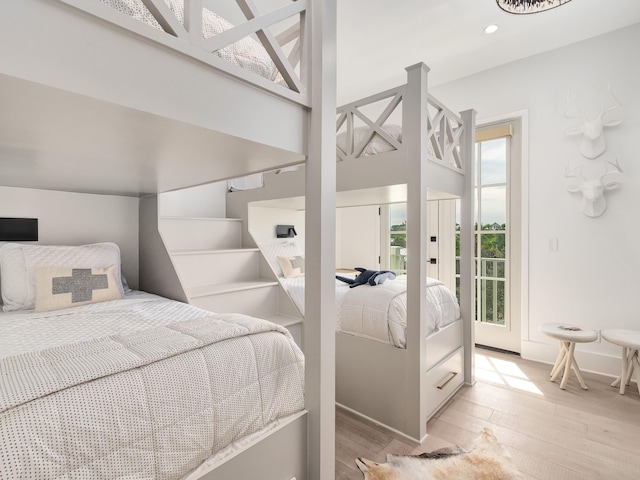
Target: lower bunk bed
<point x="371" y="354"/>
<point x="145" y="387"/>
<point x="371" y="380"/>
<point x="405" y="143"/>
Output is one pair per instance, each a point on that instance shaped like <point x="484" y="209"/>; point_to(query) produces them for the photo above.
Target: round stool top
<point x="568" y="332"/>
<point x="624" y="338"/>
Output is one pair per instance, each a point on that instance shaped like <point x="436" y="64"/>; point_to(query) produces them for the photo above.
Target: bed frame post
<point x="467" y="227"/>
<point x="319" y="325"/>
<point x="414" y="132"/>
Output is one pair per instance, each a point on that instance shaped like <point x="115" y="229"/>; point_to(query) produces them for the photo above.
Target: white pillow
<point x="292" y="266"/>
<point x="18" y="263"/>
<point x="272" y="251"/>
<point x="65" y="287"/>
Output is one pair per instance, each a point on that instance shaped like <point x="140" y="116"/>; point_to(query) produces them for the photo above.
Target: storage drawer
<point x="443" y="343"/>
<point x="443" y="380"/>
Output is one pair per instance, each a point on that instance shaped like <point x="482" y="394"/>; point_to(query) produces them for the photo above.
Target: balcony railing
<point x="490" y="290"/>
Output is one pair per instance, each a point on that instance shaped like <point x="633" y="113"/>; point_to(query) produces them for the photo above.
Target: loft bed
<point x="98" y="97"/>
<point x="159" y="83"/>
<point x="412" y="148"/>
<point x="434" y="154"/>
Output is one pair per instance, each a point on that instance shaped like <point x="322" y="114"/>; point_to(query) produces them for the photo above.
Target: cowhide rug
<point x="483" y="459"/>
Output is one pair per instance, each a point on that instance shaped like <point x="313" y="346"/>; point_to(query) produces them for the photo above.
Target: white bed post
<point x="467" y="256"/>
<point x="414" y="132"/>
<point x="319" y="324"/>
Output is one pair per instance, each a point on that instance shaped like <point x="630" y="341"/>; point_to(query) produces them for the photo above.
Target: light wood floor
<point x="551" y="434"/>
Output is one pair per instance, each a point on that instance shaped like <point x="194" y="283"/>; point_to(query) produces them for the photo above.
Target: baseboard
<point x="380" y="424"/>
<point x="496" y="349"/>
<point x="602" y="364"/>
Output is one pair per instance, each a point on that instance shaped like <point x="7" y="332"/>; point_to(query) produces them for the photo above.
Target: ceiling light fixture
<point x="520" y="7"/>
<point x="489" y="29"/>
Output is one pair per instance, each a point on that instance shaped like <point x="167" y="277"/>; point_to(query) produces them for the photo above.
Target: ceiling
<point x="377" y="39"/>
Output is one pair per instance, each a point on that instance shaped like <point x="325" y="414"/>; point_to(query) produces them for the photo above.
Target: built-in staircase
<point x="217" y="273"/>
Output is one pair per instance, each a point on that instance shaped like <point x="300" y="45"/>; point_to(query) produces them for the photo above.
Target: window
<point x="397" y="237"/>
<point x="491" y="229"/>
<point x="492" y="225"/>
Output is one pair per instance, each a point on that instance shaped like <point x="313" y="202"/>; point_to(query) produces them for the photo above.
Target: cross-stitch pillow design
<point x="63" y="287"/>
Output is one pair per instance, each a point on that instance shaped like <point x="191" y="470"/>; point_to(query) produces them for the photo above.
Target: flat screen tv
<point x="18" y="229"/>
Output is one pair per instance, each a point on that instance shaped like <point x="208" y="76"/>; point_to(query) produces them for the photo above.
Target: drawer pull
<point x="447" y="380"/>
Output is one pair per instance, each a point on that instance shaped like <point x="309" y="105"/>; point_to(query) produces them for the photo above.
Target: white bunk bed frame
<point x="168" y="103"/>
<point x="403" y="388"/>
<point x="400" y="388"/>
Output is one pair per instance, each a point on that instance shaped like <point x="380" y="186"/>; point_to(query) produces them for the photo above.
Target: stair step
<point x="211" y="219"/>
<point x="207" y="290"/>
<point x="215" y="267"/>
<point x="213" y="252"/>
<point x="196" y="233"/>
<point x="283" y="319"/>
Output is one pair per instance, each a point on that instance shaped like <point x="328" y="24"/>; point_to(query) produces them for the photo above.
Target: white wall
<point x="208" y="201"/>
<point x="263" y="221"/>
<point x="592" y="279"/>
<point x="75" y="219"/>
<point x="358" y="237"/>
<point x="357" y="232"/>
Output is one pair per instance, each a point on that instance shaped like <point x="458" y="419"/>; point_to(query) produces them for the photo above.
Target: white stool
<point x="568" y="335"/>
<point x="629" y="340"/>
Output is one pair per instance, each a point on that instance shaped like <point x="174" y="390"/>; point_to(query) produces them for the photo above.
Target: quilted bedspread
<point x="380" y="312"/>
<point x="147" y="404"/>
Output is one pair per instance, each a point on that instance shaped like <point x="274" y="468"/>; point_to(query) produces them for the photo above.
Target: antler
<point x="570" y="98"/>
<point x="579" y="130"/>
<point x="616" y="169"/>
<point x="616" y="103"/>
<point x="568" y="172"/>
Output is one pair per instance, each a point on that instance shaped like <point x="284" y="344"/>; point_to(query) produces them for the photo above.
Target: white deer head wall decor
<point x="593" y="200"/>
<point x="592" y="129"/>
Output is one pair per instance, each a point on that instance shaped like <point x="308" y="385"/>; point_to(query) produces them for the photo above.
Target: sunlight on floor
<point x="503" y="372"/>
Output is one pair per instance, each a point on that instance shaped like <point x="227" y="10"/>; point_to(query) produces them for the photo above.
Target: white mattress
<point x="442" y="308"/>
<point x="142" y="387"/>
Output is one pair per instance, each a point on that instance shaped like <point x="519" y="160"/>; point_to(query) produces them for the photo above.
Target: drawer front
<point x="443" y="343"/>
<point x="443" y="380"/>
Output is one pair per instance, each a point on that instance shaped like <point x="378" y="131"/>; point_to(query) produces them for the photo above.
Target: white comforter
<point x="169" y="385"/>
<point x="380" y="312"/>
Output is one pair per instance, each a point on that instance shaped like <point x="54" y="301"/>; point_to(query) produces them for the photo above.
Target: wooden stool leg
<point x="623" y="370"/>
<point x="627" y="369"/>
<point x="579" y="375"/>
<point x="636" y="366"/>
<point x="630" y="355"/>
<point x="567" y="367"/>
<point x="562" y="358"/>
<point x="559" y="358"/>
